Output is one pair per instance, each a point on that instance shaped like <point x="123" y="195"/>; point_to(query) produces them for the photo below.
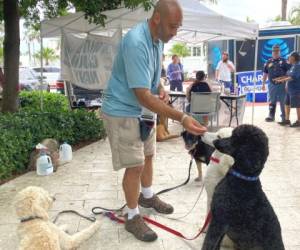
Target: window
<point x="190" y="51"/>
<point x="196" y="51"/>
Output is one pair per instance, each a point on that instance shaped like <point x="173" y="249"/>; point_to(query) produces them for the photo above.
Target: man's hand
<point x="163" y="95"/>
<point x="193" y="126"/>
<point x="263" y="86"/>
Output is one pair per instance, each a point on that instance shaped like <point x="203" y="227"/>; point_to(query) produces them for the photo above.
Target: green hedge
<point x="31" y="100"/>
<point x="21" y="131"/>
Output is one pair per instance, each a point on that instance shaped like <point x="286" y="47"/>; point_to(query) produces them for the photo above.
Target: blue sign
<point x="267" y="49"/>
<point x="245" y="81"/>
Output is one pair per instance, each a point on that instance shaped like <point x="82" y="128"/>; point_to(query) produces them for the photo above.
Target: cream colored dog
<point x="219" y="163"/>
<point x="36" y="232"/>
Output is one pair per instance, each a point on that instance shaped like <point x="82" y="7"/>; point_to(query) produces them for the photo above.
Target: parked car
<point x="29" y="80"/>
<point x="52" y="77"/>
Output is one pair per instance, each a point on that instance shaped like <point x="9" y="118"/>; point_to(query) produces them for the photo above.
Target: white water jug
<point x="65" y="152"/>
<point x="44" y="164"/>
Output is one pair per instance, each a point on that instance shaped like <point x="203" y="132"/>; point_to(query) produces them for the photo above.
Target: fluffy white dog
<point x="219" y="163"/>
<point x="36" y="232"/>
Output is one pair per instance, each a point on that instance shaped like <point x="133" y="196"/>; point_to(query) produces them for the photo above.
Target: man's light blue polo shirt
<point x="137" y="65"/>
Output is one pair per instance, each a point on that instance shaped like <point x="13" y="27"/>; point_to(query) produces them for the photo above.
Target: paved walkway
<point x="89" y="181"/>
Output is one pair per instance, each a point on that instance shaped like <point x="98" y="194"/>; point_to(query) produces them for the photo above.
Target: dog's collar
<point x="243" y="177"/>
<point x="214" y="159"/>
<point x="30" y="218"/>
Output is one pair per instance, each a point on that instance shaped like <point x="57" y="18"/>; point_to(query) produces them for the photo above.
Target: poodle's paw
<point x="97" y="224"/>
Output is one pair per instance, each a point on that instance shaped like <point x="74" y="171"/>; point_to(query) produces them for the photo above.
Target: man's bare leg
<point x="147" y="174"/>
<point x="131" y="185"/>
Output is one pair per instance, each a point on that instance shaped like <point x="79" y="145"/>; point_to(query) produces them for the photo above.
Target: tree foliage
<point x="31" y="9"/>
<point x="294" y="16"/>
<point x="180" y="49"/>
<point x="48" y="54"/>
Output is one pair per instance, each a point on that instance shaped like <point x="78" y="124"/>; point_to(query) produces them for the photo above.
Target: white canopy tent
<point x="199" y="24"/>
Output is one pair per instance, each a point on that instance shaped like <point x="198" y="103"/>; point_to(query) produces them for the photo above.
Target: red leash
<point x="114" y="217"/>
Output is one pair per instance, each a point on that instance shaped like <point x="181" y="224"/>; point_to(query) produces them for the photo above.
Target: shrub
<point x="31" y="101"/>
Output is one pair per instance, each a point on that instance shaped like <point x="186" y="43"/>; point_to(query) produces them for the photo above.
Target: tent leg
<point x="254" y="79"/>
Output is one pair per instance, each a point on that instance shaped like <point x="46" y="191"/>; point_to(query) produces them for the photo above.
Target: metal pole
<point x="234" y="60"/>
<point x="255" y="77"/>
<point x="41" y="80"/>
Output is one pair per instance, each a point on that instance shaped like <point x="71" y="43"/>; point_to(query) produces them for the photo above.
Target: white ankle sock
<point x="132" y="212"/>
<point x="147" y="192"/>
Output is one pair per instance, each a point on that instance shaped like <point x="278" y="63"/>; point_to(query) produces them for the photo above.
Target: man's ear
<point x="156" y="17"/>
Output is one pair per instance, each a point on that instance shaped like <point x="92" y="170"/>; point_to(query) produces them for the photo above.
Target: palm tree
<point x="31" y="35"/>
<point x="283" y="10"/>
<point x="294" y="16"/>
<point x="48" y="55"/>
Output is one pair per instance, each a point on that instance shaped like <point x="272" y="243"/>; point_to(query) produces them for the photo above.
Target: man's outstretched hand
<point x="193" y="126"/>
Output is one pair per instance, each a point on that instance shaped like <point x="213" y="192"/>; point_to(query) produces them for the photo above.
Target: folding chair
<point x="205" y="104"/>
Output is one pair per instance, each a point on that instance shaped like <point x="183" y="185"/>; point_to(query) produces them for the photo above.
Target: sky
<point x="259" y="10"/>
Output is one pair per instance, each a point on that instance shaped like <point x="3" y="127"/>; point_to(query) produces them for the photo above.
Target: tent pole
<point x="254" y="78"/>
<point x="41" y="80"/>
<point x="234" y="60"/>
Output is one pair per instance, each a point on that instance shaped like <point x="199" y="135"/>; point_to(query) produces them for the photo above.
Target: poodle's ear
<point x="39" y="211"/>
<point x="23" y="206"/>
<point x="27" y="206"/>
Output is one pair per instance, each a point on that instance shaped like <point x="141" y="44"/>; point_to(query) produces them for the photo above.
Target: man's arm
<point x="265" y="76"/>
<point x="231" y="66"/>
<point x="147" y="100"/>
<point x="217" y="74"/>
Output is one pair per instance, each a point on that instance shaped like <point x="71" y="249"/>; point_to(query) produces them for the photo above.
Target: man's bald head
<point x="166" y="19"/>
<point x="165" y="7"/>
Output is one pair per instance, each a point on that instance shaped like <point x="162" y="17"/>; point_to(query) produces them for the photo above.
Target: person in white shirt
<point x="223" y="71"/>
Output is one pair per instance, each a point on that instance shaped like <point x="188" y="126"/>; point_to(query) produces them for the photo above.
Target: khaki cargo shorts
<point x="127" y="148"/>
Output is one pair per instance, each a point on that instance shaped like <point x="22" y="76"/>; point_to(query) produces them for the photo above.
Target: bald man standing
<point x="132" y="99"/>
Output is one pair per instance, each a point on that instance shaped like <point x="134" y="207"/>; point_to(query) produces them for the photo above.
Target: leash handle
<point x="94" y="209"/>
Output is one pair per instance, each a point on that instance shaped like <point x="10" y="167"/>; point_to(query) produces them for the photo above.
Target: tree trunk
<point x="11" y="55"/>
<point x="283" y="9"/>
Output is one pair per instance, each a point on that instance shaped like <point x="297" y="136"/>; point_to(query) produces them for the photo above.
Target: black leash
<point x="92" y="219"/>
<point x="94" y="209"/>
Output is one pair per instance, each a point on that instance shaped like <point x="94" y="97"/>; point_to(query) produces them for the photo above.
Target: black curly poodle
<point x="240" y="208"/>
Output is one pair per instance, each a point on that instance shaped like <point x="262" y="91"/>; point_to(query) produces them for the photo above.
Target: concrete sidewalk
<point x="89" y="181"/>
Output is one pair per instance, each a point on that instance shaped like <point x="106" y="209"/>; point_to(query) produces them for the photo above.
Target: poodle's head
<point x="248" y="145"/>
<point x="33" y="202"/>
<point x="210" y="137"/>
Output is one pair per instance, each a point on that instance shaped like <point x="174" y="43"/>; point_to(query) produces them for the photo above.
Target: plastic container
<point x="65" y="152"/>
<point x="44" y="164"/>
